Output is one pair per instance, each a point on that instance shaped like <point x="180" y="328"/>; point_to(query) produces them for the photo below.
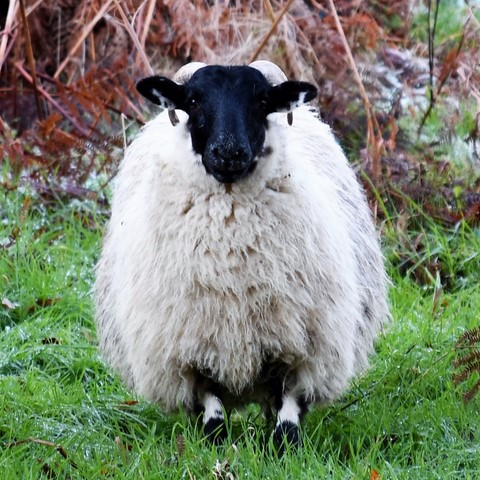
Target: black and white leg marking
<point x="288" y="421"/>
<point x="213" y="420"/>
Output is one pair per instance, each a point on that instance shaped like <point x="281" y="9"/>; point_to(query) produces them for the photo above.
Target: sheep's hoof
<point x="286" y="434"/>
<point x="215" y="430"/>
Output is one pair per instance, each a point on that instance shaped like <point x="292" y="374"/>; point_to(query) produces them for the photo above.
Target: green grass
<point x="451" y="15"/>
<point x="64" y="415"/>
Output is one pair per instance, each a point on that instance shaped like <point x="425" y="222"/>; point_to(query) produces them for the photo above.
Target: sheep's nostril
<point x="240" y="154"/>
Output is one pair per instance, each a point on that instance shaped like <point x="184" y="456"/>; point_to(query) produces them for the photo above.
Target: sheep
<point x="241" y="263"/>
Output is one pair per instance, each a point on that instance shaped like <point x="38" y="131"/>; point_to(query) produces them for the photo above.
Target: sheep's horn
<point x="185" y="73"/>
<point x="182" y="76"/>
<point x="274" y="75"/>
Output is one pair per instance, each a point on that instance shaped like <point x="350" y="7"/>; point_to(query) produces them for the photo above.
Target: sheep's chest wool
<point x="269" y="288"/>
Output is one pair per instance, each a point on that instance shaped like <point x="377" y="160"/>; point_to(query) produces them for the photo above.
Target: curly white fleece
<point x="283" y="266"/>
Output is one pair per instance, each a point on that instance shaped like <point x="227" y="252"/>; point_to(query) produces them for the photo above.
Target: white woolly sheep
<point x="240" y="263"/>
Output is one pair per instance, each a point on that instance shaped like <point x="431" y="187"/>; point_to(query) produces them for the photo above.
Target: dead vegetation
<point x="68" y="69"/>
<point x="405" y="105"/>
<point x="467" y="362"/>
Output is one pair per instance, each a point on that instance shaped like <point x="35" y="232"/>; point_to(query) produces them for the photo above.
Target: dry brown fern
<point x="89" y="53"/>
<point x="467" y="362"/>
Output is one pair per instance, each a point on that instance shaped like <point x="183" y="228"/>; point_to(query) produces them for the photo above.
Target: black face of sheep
<point x="227" y="108"/>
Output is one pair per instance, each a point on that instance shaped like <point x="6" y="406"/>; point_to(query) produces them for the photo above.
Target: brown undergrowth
<point x="67" y="96"/>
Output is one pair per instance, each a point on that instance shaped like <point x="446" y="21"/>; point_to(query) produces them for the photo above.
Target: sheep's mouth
<point x="231" y="176"/>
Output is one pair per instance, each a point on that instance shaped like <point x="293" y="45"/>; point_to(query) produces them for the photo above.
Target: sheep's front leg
<point x="213" y="420"/>
<point x="290" y="412"/>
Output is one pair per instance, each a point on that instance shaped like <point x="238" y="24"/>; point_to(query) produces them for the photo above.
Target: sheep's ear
<point x="162" y="91"/>
<point x="287" y="96"/>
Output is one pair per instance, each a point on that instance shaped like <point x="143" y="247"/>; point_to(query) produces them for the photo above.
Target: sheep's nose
<point x="229" y="158"/>
<point x="228" y="161"/>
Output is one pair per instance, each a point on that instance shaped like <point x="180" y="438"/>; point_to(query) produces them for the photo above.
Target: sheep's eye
<point x="262" y="104"/>
<point x="193" y="104"/>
